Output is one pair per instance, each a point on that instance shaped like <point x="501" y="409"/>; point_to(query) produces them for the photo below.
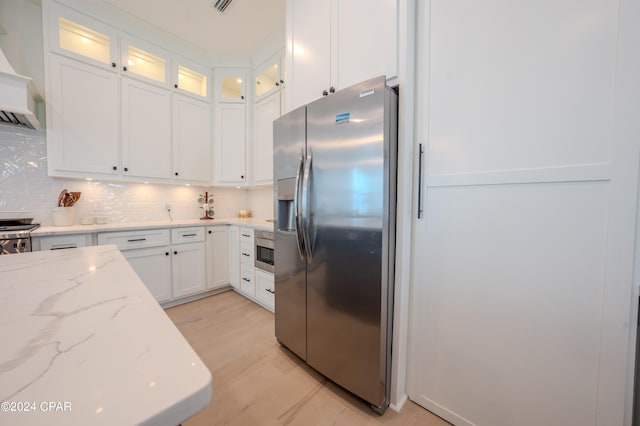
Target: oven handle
<point x="297" y="212"/>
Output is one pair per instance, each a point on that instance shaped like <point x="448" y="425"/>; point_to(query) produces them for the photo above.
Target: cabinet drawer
<point x="246" y="235"/>
<point x="187" y="235"/>
<point x="127" y="240"/>
<point x="265" y="288"/>
<point x="247" y="285"/>
<point x="246" y="254"/>
<point x="65" y="242"/>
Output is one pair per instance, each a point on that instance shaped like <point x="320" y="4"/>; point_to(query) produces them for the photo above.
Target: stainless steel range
<point x="15" y="235"/>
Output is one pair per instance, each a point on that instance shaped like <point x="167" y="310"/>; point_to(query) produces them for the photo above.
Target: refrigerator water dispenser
<point x="286" y="215"/>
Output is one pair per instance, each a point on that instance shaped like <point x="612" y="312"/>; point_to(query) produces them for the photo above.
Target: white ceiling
<point x="240" y="30"/>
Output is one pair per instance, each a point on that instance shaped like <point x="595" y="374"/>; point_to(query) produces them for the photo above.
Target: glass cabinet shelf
<point x="145" y="64"/>
<point x="267" y="80"/>
<point x="192" y="81"/>
<point x="84" y="41"/>
<point x="232" y="88"/>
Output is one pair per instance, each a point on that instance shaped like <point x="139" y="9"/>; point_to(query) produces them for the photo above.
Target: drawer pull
<point x="246" y="235"/>
<point x="246" y="254"/>
<point x="189" y="235"/>
<point x="270" y="291"/>
<point x="246" y="279"/>
<point x="63" y="247"/>
<point x="135" y="240"/>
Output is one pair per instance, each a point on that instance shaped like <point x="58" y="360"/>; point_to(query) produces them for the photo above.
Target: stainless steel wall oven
<point x="264" y="250"/>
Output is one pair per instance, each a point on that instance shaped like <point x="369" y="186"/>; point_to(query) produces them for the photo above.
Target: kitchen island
<point x="85" y="343"/>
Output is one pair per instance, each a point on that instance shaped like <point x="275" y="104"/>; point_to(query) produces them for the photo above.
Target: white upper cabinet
<point x="333" y="44"/>
<point x="264" y="113"/>
<point x="191" y="140"/>
<point x="230" y="85"/>
<point x="144" y="61"/>
<point x="268" y="78"/>
<point x="77" y="36"/>
<point x="146" y="130"/>
<point x="230" y="127"/>
<point x="82" y="129"/>
<point x="191" y="79"/>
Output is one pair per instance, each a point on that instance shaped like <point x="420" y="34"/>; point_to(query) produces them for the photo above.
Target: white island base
<point x="85" y="343"/>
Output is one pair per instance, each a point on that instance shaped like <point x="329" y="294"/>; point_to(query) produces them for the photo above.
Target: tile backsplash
<point x="27" y="191"/>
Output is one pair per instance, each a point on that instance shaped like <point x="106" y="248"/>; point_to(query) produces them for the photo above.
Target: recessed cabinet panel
<point x="192" y="81"/>
<point x="145" y="64"/>
<point x="84" y="41"/>
<point x="153" y="266"/>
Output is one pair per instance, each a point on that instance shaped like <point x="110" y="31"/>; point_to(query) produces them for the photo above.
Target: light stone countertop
<point x="46" y="231"/>
<point x="81" y="331"/>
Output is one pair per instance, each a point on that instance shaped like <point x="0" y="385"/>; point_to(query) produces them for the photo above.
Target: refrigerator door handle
<point x="297" y="211"/>
<point x="306" y="216"/>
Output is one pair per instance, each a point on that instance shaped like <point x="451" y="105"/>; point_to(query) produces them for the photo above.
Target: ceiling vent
<point x="221" y="5"/>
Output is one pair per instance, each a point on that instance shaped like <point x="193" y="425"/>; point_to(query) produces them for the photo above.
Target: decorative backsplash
<point x="27" y="191"/>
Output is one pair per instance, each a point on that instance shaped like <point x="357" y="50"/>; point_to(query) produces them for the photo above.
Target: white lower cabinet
<point x="265" y="288"/>
<point x="234" y="256"/>
<point x="247" y="286"/>
<point x="153" y="266"/>
<point x="218" y="265"/>
<point x="188" y="264"/>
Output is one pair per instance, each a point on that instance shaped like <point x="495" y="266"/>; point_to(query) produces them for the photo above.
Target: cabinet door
<point x="188" y="269"/>
<point x="217" y="256"/>
<point x="234" y="256"/>
<point x="268" y="78"/>
<point x="364" y="45"/>
<point x="146" y="130"/>
<point x="265" y="112"/>
<point x="144" y="61"/>
<point x="230" y="85"/>
<point x="191" y="79"/>
<point x="153" y="266"/>
<point x="83" y="112"/>
<point x="265" y="288"/>
<point x="247" y="284"/>
<point x="311" y="50"/>
<point x="230" y="143"/>
<point x="191" y="139"/>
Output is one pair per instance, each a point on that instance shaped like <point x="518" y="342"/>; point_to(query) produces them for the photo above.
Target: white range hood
<point x="17" y="97"/>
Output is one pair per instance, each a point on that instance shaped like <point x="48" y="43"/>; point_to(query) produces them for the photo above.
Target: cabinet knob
<point x="126" y="169"/>
<point x="175" y="85"/>
<point x="124" y="68"/>
<point x="115" y="167"/>
<point x="166" y="253"/>
<point x="242" y="97"/>
<point x="210" y="231"/>
<point x="277" y="84"/>
<point x="113" y="64"/>
<point x="281" y="81"/>
<point x="242" y="177"/>
<point x="175" y="252"/>
<point x="332" y="89"/>
<point x="324" y="93"/>
<point x="176" y="173"/>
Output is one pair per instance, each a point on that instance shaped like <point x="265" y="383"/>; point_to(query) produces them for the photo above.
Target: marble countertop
<point x="45" y="231"/>
<point x="85" y="343"/>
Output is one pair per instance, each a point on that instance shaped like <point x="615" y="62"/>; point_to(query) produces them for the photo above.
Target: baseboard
<point x="397" y="406"/>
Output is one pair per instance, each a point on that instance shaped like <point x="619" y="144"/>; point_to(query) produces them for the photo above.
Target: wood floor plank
<point x="256" y="381"/>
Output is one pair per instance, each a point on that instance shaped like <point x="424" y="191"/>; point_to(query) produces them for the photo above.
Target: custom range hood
<point x="17" y="97"/>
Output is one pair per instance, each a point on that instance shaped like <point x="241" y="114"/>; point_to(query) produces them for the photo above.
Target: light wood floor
<point x="258" y="382"/>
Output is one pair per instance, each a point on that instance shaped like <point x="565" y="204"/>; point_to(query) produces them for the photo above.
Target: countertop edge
<point x="47" y="231"/>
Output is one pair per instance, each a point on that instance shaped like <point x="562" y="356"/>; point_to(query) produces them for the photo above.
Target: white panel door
<point x="83" y="135"/>
<point x="365" y="44"/>
<point x="153" y="266"/>
<point x="188" y="263"/>
<point x="265" y="112"/>
<point x="311" y="51"/>
<point x="523" y="253"/>
<point x="230" y="143"/>
<point x="146" y="130"/>
<point x="217" y="256"/>
<point x="191" y="139"/>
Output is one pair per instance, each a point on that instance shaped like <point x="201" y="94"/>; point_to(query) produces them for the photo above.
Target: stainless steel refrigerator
<point x="335" y="197"/>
